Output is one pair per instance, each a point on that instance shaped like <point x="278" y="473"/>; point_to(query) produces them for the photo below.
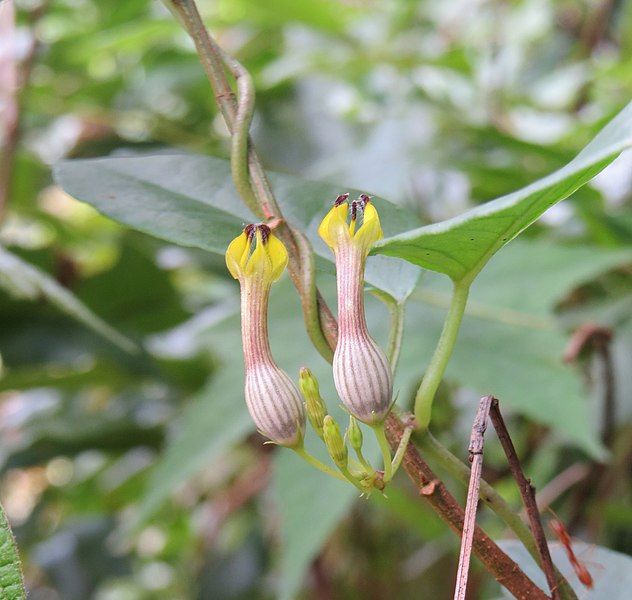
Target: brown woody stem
<point x="502" y="567"/>
<point x="527" y="492"/>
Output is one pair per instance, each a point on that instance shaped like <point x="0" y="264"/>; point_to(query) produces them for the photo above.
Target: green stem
<point x="396" y="333"/>
<point x="248" y="173"/>
<point x="401" y="449"/>
<point x="240" y="138"/>
<point x="321" y="466"/>
<point x="386" y="451"/>
<point x="436" y="369"/>
<point x="363" y="461"/>
<point x="489" y="496"/>
<point x="352" y="479"/>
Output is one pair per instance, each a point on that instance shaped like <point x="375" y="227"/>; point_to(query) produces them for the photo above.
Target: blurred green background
<point x="138" y="476"/>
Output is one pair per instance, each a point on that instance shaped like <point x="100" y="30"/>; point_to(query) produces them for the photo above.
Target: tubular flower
<point x="257" y="259"/>
<point x="362" y="375"/>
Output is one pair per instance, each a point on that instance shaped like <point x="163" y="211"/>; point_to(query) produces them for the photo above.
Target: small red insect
<point x="579" y="567"/>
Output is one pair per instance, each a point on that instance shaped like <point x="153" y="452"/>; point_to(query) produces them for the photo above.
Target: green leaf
<point x="25" y="281"/>
<point x="212" y="422"/>
<point x="510" y="344"/>
<point x="11" y="580"/>
<point x="310" y="506"/>
<point x="611" y="571"/>
<point x="460" y="247"/>
<point x="191" y="201"/>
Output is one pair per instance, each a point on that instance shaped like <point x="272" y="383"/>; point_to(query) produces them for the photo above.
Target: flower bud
<point x="335" y="443"/>
<point x="314" y="404"/>
<point x="354" y="434"/>
<point x="362" y="374"/>
<point x="257" y="258"/>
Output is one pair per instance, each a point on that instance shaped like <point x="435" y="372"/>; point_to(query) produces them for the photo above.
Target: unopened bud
<point x="354" y="434"/>
<point x="314" y="404"/>
<point x="334" y="441"/>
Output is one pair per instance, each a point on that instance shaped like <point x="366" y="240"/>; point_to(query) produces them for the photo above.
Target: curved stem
<point x="363" y="461"/>
<point x="396" y="332"/>
<point x="490" y="497"/>
<point x="240" y="137"/>
<point x="401" y="449"/>
<point x="436" y="369"/>
<point x="319" y="324"/>
<point x="352" y="479"/>
<point x="321" y="466"/>
<point x="386" y="451"/>
<point x="319" y="320"/>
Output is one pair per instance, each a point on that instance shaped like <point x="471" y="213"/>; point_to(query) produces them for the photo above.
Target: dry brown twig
<point x="477" y="442"/>
<point x="527" y="492"/>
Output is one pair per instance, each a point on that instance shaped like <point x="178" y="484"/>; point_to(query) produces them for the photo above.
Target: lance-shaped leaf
<point x="190" y="200"/>
<point x="23" y="280"/>
<point x="460" y="247"/>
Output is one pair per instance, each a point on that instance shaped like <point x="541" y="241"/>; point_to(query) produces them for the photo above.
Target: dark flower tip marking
<point x="251" y="231"/>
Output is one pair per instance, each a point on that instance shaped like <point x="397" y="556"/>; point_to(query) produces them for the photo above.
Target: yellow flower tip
<point x="335" y="230"/>
<point x="256" y="251"/>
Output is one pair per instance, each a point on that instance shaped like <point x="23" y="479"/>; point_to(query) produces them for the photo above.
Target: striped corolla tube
<point x="257" y="259"/>
<point x="362" y="374"/>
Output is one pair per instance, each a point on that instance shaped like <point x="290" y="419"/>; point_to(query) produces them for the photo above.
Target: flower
<point x="362" y="374"/>
<point x="257" y="259"/>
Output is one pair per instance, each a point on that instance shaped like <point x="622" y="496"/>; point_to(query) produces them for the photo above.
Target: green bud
<point x="354" y="434"/>
<point x="314" y="404"/>
<point x="334" y="441"/>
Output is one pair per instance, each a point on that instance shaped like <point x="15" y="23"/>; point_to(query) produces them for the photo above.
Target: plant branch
<point x="527" y="492"/>
<point x="315" y="462"/>
<point x="319" y="321"/>
<point x="436" y="369"/>
<point x="490" y="497"/>
<point x="397" y="311"/>
<point x="501" y="566"/>
<point x="477" y="441"/>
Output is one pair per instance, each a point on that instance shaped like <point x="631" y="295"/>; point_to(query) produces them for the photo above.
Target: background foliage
<point x="129" y="466"/>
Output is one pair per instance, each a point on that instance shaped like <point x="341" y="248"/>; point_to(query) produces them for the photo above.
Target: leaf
<point x="25" y="281"/>
<point x="310" y="505"/>
<point x="510" y="345"/>
<point x="212" y="422"/>
<point x="190" y="200"/>
<point x="11" y="580"/>
<point x="460" y="247"/>
<point x="611" y="571"/>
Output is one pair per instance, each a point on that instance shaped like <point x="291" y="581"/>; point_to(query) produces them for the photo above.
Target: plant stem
<point x="321" y="466"/>
<point x="352" y="479"/>
<point x="436" y="369"/>
<point x="501" y="566"/>
<point x="527" y="491"/>
<point x="319" y="321"/>
<point x="401" y="449"/>
<point x="386" y="451"/>
<point x="489" y="496"/>
<point x="396" y="332"/>
<point x="363" y="461"/>
<point x="477" y="442"/>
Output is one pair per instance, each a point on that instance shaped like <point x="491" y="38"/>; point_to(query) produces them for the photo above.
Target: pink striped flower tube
<point x="362" y="374"/>
<point x="257" y="259"/>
